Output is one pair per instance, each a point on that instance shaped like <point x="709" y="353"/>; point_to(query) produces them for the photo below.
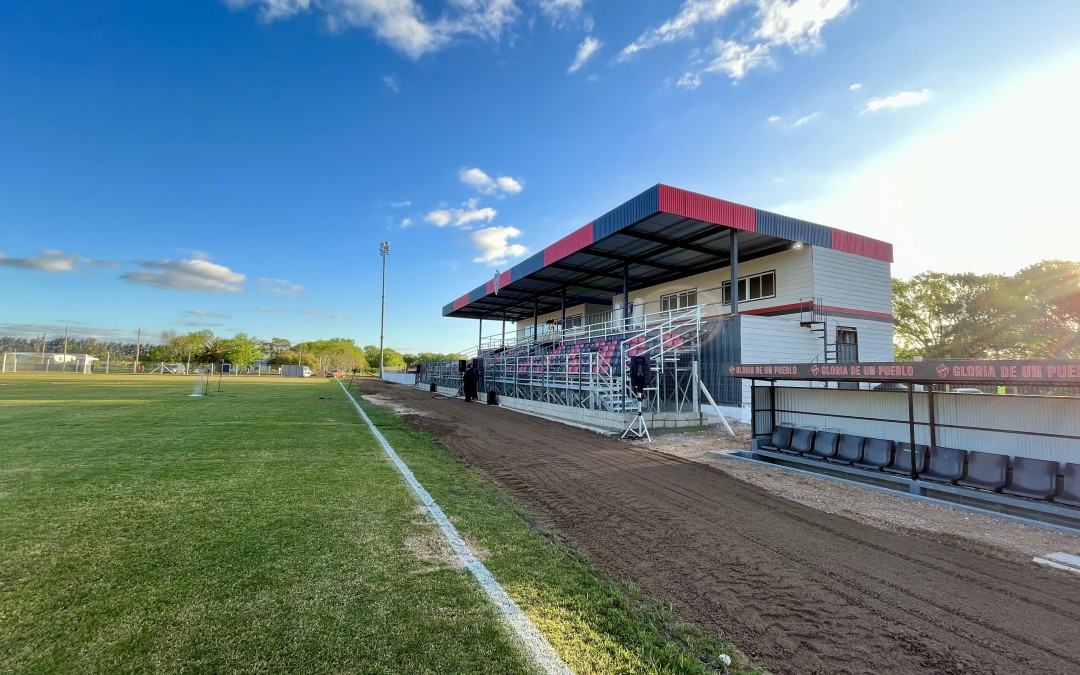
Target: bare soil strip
<point x="801" y="590"/>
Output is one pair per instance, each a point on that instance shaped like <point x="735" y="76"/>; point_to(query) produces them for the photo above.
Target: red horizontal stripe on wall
<point x="710" y="209"/>
<point x="461" y="302"/>
<point x="796" y="306"/>
<point x="575" y="241"/>
<point x="860" y="245"/>
<point x="490" y="287"/>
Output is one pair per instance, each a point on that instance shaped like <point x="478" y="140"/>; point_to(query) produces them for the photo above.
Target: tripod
<point x="638" y="427"/>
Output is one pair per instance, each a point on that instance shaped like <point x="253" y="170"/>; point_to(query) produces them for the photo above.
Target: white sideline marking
<point x="539" y="648"/>
<point x="1060" y="561"/>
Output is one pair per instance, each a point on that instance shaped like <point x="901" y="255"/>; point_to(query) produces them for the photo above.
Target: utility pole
<point x="63" y="368"/>
<point x="384" y="250"/>
<point x="138" y="348"/>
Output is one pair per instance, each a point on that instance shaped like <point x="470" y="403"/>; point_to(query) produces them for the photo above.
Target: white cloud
<point x="900" y="100"/>
<point x="339" y="317"/>
<point x="772" y="119"/>
<point x="391" y="82"/>
<point x="187" y="275"/>
<point x="856" y="87"/>
<point x="272" y="310"/>
<point x="737" y="59"/>
<point x="282" y="287"/>
<point x="479" y="180"/>
<point x="398" y="205"/>
<point x="439" y="217"/>
<point x="681" y="26"/>
<point x="562" y="12"/>
<point x="209" y="315"/>
<point x="471" y="213"/>
<point x="494" y="246"/>
<point x="509" y="185"/>
<point x="585" y="51"/>
<point x="400" y="23"/>
<point x="49" y="260"/>
<point x="797" y="23"/>
<point x="689" y="81"/>
<point x="804" y="120"/>
<point x="405" y="222"/>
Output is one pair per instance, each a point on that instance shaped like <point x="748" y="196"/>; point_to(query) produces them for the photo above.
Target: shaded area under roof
<point x="662" y="234"/>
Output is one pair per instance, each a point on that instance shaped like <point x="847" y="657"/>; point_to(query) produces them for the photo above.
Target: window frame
<point x="744" y="285"/>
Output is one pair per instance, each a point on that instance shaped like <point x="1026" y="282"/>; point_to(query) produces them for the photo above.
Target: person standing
<point x="469" y="382"/>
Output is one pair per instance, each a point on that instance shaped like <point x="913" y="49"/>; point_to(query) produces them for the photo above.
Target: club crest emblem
<point x="943" y="370"/>
<point x="731" y="370"/>
<point x="815" y="370"/>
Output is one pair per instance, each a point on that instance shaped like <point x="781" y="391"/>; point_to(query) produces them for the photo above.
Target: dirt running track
<point x="799" y="590"/>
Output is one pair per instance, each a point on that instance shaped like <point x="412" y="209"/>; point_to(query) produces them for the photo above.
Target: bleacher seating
<point x="986" y="471"/>
<point x="946" y="465"/>
<point x="901" y="463"/>
<point x="1030" y="478"/>
<point x="877" y="454"/>
<point x="1035" y="478"/>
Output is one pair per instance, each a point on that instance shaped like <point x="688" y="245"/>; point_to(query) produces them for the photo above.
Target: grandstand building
<point x="688" y="281"/>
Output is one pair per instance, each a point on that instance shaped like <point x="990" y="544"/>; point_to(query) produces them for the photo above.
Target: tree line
<point x="241" y="350"/>
<point x="1033" y="314"/>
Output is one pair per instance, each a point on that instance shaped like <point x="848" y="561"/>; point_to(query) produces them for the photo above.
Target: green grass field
<point x="262" y="529"/>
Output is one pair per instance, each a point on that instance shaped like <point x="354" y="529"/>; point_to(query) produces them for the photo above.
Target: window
<point x="678" y="300"/>
<point x="753" y="287"/>
<point x="573" y="321"/>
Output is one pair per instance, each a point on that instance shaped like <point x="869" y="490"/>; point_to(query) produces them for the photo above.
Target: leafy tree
<point x="242" y="351"/>
<point x="391" y="357"/>
<point x="1032" y="314"/>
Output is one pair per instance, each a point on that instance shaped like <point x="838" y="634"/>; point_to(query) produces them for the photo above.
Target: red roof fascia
<point x="461" y="302"/>
<point x="575" y="241"/>
<point x="860" y="245"/>
<point x="710" y="209"/>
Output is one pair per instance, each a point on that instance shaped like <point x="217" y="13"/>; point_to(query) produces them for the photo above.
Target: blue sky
<point x="234" y="164"/>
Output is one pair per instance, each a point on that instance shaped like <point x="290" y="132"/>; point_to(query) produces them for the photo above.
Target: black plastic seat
<point x="780" y="439"/>
<point x="985" y="471"/>
<point x="876" y="454"/>
<point x="901" y="463"/>
<point x="825" y="444"/>
<point x="801" y="441"/>
<point x="849" y="450"/>
<point x="1070" y="492"/>
<point x="1035" y="478"/>
<point x="946" y="465"/>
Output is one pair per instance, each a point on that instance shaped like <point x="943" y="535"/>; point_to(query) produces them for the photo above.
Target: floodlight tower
<point x="384" y="250"/>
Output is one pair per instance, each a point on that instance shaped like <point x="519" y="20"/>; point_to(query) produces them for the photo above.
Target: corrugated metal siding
<point x="447" y="308"/>
<point x="860" y="245"/>
<point x="1000" y="424"/>
<point x="702" y="207"/>
<point x="722" y="344"/>
<point x="527" y="266"/>
<point x="575" y="241"/>
<point x="638" y="208"/>
<point x="793" y="229"/>
<point x="834" y="272"/>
